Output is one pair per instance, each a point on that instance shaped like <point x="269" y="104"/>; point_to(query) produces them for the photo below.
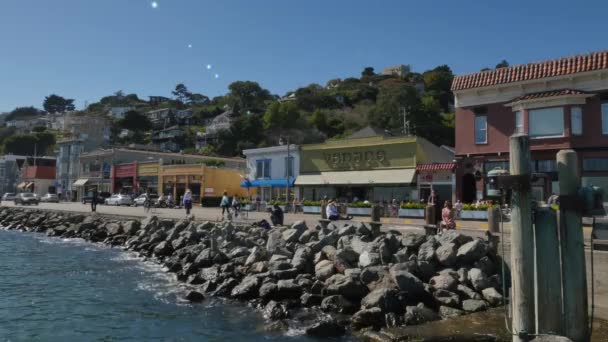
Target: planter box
<point x="312" y="210"/>
<point x="474" y="215"/>
<point x="411" y="212"/>
<point x="247" y="207"/>
<point x="360" y="211"/>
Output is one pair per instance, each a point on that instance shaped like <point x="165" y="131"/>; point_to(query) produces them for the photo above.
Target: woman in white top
<point x="332" y="211"/>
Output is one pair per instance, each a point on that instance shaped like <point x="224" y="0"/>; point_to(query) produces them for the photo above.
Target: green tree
<point x="502" y="64"/>
<point x="182" y="94"/>
<point x="39" y="129"/>
<point x="315" y="96"/>
<point x="368" y="71"/>
<point x="135" y="121"/>
<point x="57" y="104"/>
<point x="28" y="144"/>
<point x="249" y="96"/>
<point x="438" y="83"/>
<point x="281" y="115"/>
<point x="319" y="120"/>
<point x="21" y="113"/>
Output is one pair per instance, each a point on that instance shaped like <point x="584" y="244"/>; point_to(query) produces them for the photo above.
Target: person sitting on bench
<point x="332" y="211"/>
<point x="276" y="216"/>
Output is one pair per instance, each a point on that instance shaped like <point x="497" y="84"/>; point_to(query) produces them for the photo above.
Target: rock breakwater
<point x="331" y="280"/>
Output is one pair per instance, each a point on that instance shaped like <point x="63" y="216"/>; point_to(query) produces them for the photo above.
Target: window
<point x="519" y="122"/>
<point x="605" y="118"/>
<point x="595" y="164"/>
<point x="262" y="168"/>
<point x="289" y="167"/>
<point x="576" y="120"/>
<point x="481" y="129"/>
<point x="548" y="165"/>
<point x="546" y="122"/>
<point x="494" y="164"/>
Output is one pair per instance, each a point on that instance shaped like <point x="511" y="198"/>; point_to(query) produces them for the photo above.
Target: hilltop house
<point x="170" y="139"/>
<point x="161" y="118"/>
<point x="119" y="112"/>
<point x="219" y="123"/>
<point x="154" y="100"/>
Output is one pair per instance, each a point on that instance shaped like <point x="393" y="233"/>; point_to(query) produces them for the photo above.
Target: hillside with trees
<point x="400" y="103"/>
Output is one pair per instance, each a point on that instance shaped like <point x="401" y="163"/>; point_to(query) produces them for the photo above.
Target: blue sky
<point x="86" y="49"/>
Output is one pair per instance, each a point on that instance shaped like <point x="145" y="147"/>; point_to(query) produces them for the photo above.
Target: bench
<point x="430" y="229"/>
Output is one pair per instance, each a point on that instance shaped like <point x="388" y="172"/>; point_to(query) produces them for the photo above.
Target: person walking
<point x="225" y="204"/>
<point x="187" y="201"/>
<point x="94" y="201"/>
<point x="235" y="206"/>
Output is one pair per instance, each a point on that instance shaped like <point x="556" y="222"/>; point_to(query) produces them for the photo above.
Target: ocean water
<point x="55" y="289"/>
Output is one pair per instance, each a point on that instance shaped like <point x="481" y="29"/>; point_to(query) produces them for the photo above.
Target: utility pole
<point x="522" y="242"/>
<point x="574" y="270"/>
<point x="287" y="172"/>
<point x="406" y="128"/>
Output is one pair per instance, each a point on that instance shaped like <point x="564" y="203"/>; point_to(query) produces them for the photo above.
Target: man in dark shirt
<point x="276" y="216"/>
<point x="94" y="201"/>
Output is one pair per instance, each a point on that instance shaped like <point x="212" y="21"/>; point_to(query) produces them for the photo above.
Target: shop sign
<point x="355" y="159"/>
<point x="209" y="190"/>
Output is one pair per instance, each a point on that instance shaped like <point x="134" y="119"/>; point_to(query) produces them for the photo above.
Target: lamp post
<point x="287" y="169"/>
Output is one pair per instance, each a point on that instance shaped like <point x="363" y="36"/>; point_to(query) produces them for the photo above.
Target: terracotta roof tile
<point x="551" y="93"/>
<point x="435" y="167"/>
<point x="563" y="66"/>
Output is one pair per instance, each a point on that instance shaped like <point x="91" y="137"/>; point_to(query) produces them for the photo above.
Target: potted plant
<point x="311" y="207"/>
<point x="474" y="212"/>
<point x="359" y="208"/>
<point x="411" y="209"/>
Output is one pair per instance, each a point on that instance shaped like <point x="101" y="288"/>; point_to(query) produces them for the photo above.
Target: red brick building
<point x="560" y="104"/>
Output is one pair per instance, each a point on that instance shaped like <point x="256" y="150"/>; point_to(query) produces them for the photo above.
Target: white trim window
<point x="519" y="122"/>
<point x="576" y="120"/>
<point x="605" y="118"/>
<point x="546" y="122"/>
<point x="481" y="129"/>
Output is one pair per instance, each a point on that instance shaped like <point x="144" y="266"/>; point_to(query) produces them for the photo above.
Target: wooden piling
<point x="522" y="243"/>
<point x="576" y="320"/>
<point x="548" y="292"/>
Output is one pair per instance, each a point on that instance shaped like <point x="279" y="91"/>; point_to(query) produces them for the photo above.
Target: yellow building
<point x="202" y="180"/>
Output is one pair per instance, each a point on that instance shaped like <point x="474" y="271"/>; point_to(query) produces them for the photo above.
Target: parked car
<point x="50" y="198"/>
<point x="142" y="198"/>
<point x="101" y="197"/>
<point x="26" y="198"/>
<point x="9" y="196"/>
<point x="119" y="199"/>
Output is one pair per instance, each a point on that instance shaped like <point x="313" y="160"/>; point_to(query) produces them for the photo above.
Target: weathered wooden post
<point x="576" y="320"/>
<point x="522" y="241"/>
<point x="375" y="218"/>
<point x="548" y="292"/>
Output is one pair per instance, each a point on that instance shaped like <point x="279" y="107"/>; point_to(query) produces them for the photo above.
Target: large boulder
<point x="455" y="237"/>
<point x="478" y="279"/>
<point x="275" y="310"/>
<point x="369" y="259"/>
<point x="446" y="254"/>
<point x="325" y="328"/>
<point x="407" y="282"/>
<point x="324" y="269"/>
<point x="447" y="312"/>
<point x="444" y="281"/>
<point x="257" y="254"/>
<point x="163" y="249"/>
<point x="419" y="314"/>
<point x="367" y="318"/>
<point x="427" y="251"/>
<point x="412" y="240"/>
<point x="268" y="291"/>
<point x="288" y="289"/>
<point x="492" y="296"/>
<point x="309" y="299"/>
<point x="349" y="288"/>
<point x="472" y="251"/>
<point x="447" y="298"/>
<point x="384" y="298"/>
<point x="467" y="293"/>
<point x="338" y="304"/>
<point x="474" y="305"/>
<point x="194" y="297"/>
<point x="247" y="289"/>
<point x="301" y="259"/>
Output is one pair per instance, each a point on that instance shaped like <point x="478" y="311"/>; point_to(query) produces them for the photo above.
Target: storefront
<point x="372" y="168"/>
<point x="124" y="178"/>
<point x="203" y="181"/>
<point x="439" y="177"/>
<point x="147" y="177"/>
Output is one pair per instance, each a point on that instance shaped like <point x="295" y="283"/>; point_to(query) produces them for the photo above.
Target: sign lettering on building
<point x="355" y="160"/>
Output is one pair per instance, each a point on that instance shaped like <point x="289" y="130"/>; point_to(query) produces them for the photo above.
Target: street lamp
<point x="287" y="168"/>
